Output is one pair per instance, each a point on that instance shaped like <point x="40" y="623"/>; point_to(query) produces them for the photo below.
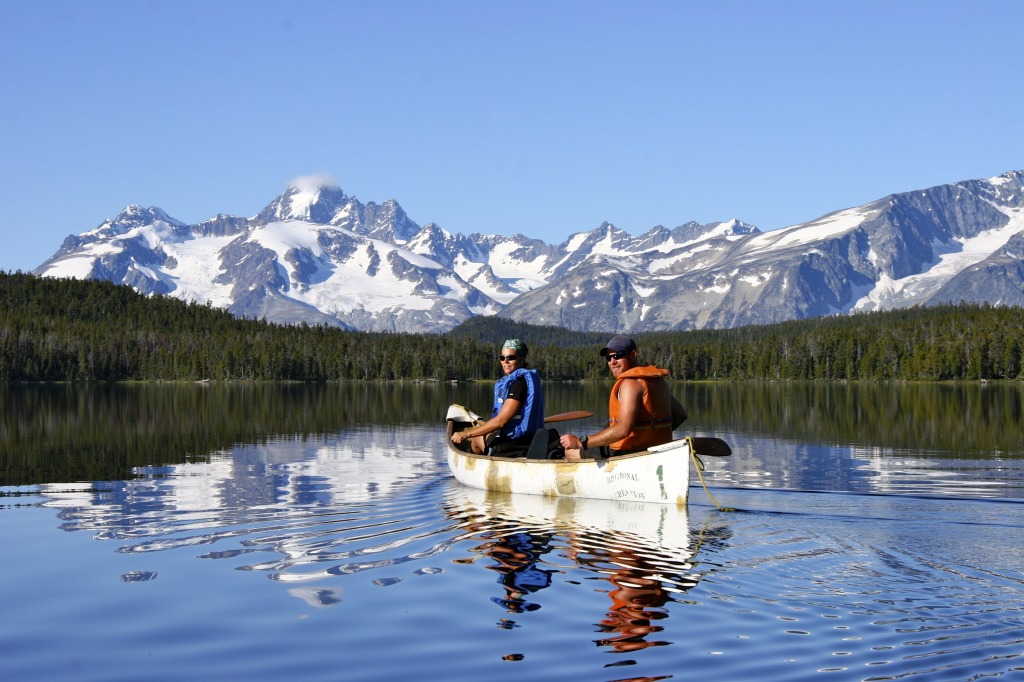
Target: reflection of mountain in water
<point x="278" y="487"/>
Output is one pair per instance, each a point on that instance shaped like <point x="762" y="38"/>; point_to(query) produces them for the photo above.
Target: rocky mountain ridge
<point x="316" y="255"/>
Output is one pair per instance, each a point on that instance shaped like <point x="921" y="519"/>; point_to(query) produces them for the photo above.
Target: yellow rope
<point x="474" y="422"/>
<point x="699" y="465"/>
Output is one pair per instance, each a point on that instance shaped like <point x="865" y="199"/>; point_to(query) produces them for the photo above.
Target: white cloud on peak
<point x="309" y="183"/>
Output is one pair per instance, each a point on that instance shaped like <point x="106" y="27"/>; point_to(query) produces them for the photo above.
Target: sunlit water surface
<point x="355" y="556"/>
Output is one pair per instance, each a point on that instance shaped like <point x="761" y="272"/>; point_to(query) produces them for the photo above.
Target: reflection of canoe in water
<point x="648" y="529"/>
<point x="658" y="475"/>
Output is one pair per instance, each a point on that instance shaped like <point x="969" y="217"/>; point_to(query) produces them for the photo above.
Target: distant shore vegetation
<point x="70" y="330"/>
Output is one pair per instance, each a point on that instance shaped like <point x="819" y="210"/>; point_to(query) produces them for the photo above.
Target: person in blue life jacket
<point x="518" y="410"/>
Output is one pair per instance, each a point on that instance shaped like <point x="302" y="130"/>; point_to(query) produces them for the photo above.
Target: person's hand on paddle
<point x="572" y="446"/>
<point x="570" y="440"/>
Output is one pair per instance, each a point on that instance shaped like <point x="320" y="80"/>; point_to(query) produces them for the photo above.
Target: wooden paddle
<point x="710" y="447"/>
<point x="567" y="416"/>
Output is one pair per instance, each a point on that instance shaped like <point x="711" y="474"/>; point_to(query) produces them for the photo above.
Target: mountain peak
<point x="316" y="202"/>
<point x="134" y="215"/>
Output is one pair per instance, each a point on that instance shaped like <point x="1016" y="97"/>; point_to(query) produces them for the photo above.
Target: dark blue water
<point x="356" y="556"/>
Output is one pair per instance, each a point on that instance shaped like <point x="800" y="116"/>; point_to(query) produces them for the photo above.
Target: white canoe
<point x="660" y="474"/>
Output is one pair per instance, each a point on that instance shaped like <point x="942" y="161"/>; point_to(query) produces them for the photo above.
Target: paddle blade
<point x="566" y="416"/>
<point x="711" y="447"/>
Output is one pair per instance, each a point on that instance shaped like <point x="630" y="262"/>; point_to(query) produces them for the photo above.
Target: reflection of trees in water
<point x="99" y="432"/>
<point x="926" y="416"/>
<point x="67" y="433"/>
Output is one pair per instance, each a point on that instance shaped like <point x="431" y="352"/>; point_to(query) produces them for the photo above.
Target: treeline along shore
<point x="69" y="330"/>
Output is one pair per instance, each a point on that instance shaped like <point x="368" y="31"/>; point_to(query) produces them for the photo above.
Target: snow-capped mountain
<point x="319" y="256"/>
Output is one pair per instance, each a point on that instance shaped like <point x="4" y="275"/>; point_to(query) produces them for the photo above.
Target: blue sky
<point x="538" y="117"/>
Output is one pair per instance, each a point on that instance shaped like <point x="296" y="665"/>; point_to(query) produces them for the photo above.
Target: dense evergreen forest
<point x="87" y="330"/>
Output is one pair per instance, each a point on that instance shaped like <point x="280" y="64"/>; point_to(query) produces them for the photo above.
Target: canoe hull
<point x="662" y="476"/>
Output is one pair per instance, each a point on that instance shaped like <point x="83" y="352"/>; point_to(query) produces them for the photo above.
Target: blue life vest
<point x="530" y="416"/>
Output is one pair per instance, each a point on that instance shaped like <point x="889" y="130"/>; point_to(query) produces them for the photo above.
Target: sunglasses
<point x="508" y="358"/>
<point x="615" y="356"/>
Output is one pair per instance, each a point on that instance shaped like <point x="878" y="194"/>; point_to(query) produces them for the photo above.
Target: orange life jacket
<point x="652" y="424"/>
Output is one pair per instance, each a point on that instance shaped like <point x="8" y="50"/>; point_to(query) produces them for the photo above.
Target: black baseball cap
<point x="619" y="344"/>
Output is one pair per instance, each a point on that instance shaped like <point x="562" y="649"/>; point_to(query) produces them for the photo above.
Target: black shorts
<point x="501" y="447"/>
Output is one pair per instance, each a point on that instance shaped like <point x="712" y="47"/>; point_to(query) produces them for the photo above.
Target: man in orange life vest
<point x="641" y="409"/>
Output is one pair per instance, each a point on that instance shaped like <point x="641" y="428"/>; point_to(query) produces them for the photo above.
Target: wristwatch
<point x="583" y="442"/>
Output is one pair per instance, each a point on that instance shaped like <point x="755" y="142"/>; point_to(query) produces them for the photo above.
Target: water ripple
<point x="797" y="585"/>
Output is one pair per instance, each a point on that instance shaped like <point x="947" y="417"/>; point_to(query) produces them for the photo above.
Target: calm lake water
<point x="314" y="533"/>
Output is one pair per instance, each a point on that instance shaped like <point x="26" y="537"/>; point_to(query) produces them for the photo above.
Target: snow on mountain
<point x="951" y="258"/>
<point x="838" y="263"/>
<point x="319" y="256"/>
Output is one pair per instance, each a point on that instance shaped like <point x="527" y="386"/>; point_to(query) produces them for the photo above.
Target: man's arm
<point x="508" y="410"/>
<point x="629" y="401"/>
